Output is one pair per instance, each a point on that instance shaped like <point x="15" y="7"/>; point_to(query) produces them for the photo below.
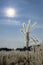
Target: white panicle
<point x="24" y="27"/>
<point x="26" y="31"/>
<point x="28" y="26"/>
<point x="34" y="25"/>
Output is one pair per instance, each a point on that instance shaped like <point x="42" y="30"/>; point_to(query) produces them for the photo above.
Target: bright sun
<point x="10" y="12"/>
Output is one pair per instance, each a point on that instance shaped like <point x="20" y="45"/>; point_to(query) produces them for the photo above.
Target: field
<point x="22" y="57"/>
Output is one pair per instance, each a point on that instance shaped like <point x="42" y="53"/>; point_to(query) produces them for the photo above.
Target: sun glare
<point x="10" y="12"/>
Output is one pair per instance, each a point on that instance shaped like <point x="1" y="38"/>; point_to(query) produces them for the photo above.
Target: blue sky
<point x="10" y="35"/>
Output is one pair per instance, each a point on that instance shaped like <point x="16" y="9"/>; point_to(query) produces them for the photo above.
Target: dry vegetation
<point x="23" y="57"/>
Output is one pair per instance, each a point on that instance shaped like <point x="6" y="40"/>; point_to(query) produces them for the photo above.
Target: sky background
<point x="10" y="35"/>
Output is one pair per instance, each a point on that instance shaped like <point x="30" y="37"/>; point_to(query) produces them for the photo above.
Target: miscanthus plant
<point x="26" y="31"/>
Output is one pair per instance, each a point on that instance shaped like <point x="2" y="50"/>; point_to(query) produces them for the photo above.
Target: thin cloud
<point x="10" y="22"/>
<point x="16" y="23"/>
<point x="24" y="2"/>
<point x="39" y="26"/>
